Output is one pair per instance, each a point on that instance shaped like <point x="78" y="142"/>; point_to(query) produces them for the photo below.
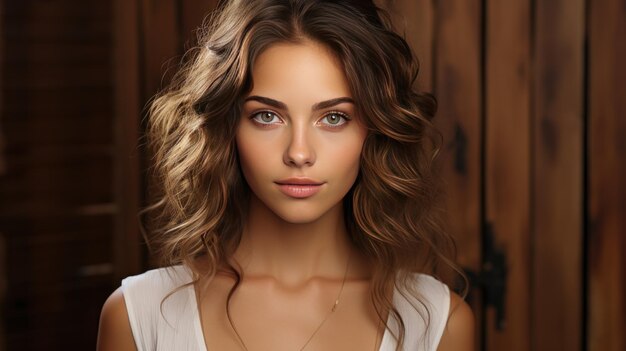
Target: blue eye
<point x="335" y="119"/>
<point x="265" y="117"/>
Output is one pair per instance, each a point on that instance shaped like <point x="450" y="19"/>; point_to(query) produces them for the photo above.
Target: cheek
<point x="248" y="154"/>
<point x="345" y="156"/>
<point x="256" y="155"/>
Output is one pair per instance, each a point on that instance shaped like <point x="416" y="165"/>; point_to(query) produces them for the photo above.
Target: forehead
<point x="289" y="70"/>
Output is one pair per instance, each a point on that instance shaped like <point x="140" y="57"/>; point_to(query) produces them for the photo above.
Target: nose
<point x="299" y="152"/>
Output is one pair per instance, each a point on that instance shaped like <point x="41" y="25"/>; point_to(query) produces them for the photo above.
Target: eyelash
<point x="334" y="112"/>
<point x="340" y="114"/>
<point x="264" y="125"/>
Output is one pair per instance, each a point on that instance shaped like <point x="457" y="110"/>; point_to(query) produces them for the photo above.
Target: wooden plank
<point x="193" y="14"/>
<point x="3" y="287"/>
<point x="606" y="170"/>
<point x="507" y="173"/>
<point x="3" y="165"/>
<point x="3" y="170"/>
<point x="414" y="20"/>
<point x="59" y="10"/>
<point x="161" y="44"/>
<point x="41" y="210"/>
<point x="457" y="86"/>
<point x="127" y="255"/>
<point x="55" y="130"/>
<point x="46" y="76"/>
<point x="57" y="54"/>
<point x="35" y="103"/>
<point x="34" y="190"/>
<point x="68" y="258"/>
<point x="47" y="155"/>
<point x="557" y="176"/>
<point x="24" y="28"/>
<point x="66" y="184"/>
<point x="42" y="330"/>
<point x="53" y="225"/>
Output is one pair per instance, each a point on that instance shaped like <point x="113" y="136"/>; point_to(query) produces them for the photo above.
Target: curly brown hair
<point x="393" y="211"/>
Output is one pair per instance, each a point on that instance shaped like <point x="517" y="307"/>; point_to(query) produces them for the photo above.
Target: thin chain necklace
<point x="332" y="309"/>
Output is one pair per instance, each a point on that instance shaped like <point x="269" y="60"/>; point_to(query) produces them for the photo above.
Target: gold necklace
<point x="332" y="309"/>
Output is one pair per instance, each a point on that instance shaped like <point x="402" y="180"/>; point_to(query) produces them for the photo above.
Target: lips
<point x="299" y="188"/>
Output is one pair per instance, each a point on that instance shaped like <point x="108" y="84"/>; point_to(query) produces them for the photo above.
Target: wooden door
<point x="532" y="106"/>
<point x="605" y="221"/>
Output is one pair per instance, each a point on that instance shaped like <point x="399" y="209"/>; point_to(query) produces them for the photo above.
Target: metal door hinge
<point x="492" y="277"/>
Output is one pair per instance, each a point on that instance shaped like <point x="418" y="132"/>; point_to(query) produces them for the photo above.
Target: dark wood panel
<point x="162" y="43"/>
<point x="65" y="292"/>
<point x="415" y="20"/>
<point x="458" y="87"/>
<point x="193" y="13"/>
<point x="558" y="170"/>
<point x="457" y="84"/>
<point x="57" y="202"/>
<point x="38" y="10"/>
<point x="46" y="308"/>
<point x="54" y="155"/>
<point x="606" y="170"/>
<point x="4" y="285"/>
<point x="508" y="164"/>
<point x="78" y="307"/>
<point x="127" y="192"/>
<point x="95" y="107"/>
<point x="46" y="76"/>
<point x="69" y="256"/>
<point x="25" y="226"/>
<point x="76" y="131"/>
<point x="42" y="102"/>
<point x="66" y="185"/>
<point x="53" y="30"/>
<point x="55" y="53"/>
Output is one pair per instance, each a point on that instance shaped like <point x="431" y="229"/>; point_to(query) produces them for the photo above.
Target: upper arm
<point x="114" y="331"/>
<point x="459" y="332"/>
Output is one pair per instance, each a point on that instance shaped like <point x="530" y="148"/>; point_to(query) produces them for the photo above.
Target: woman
<point x="298" y="202"/>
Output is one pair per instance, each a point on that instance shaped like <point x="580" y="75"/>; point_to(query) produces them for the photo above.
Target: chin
<point x="295" y="215"/>
<point x="297" y="211"/>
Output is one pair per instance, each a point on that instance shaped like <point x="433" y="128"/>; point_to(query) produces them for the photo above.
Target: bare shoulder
<point x="459" y="332"/>
<point x="114" y="331"/>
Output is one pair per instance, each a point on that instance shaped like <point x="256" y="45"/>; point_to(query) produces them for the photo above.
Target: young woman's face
<point x="299" y="139"/>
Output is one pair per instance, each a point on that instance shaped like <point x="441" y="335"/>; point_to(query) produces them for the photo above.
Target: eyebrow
<point x="281" y="105"/>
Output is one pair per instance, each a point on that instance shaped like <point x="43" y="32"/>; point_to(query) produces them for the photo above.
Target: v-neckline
<point x="199" y="333"/>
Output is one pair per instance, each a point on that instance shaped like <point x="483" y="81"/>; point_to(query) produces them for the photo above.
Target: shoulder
<point x="158" y="279"/>
<point x="451" y="321"/>
<point x="114" y="332"/>
<point x="147" y="295"/>
<point x="459" y="331"/>
<point x="153" y="286"/>
<point x="131" y="315"/>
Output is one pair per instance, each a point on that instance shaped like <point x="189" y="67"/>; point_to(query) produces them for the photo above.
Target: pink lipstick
<point x="299" y="188"/>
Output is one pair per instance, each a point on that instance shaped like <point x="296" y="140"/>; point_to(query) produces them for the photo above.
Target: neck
<point x="293" y="253"/>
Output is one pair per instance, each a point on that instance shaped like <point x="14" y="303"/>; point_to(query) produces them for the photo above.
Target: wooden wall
<point x="606" y="175"/>
<point x="532" y="106"/>
<point x="533" y="109"/>
<point x="76" y="76"/>
<point x="67" y="187"/>
<point x="557" y="228"/>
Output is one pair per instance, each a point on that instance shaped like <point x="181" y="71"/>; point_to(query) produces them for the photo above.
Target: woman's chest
<point x="265" y="318"/>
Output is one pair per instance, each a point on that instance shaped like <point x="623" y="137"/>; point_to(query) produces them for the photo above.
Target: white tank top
<point x="177" y="325"/>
